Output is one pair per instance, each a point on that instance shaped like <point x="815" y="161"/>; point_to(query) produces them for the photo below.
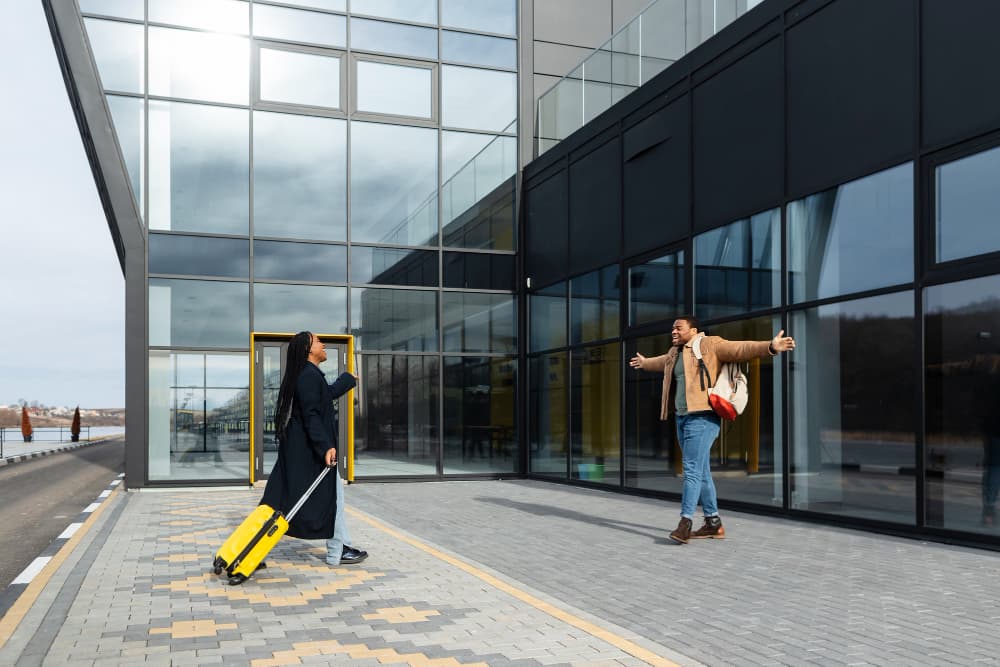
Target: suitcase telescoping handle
<point x="305" y="496"/>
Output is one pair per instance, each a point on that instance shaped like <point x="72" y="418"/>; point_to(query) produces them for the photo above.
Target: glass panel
<point x="962" y="325"/>
<point x="271" y="357"/>
<point x="479" y="430"/>
<point x="291" y="308"/>
<point x="463" y="90"/>
<point x="394" y="266"/>
<point x="198" y="430"/>
<point x="307" y="262"/>
<point x="652" y="456"/>
<point x="832" y="247"/>
<point x="656" y="289"/>
<point x="199" y="256"/>
<point x="746" y="458"/>
<point x="662" y="37"/>
<point x="547" y="414"/>
<point x="737" y="267"/>
<point x="295" y="25"/>
<point x="595" y="416"/>
<point x="395" y="38"/>
<point x="199" y="163"/>
<point x="127" y="116"/>
<point x="393" y="201"/>
<point x="560" y="110"/>
<point x="118" y="51"/>
<point x="478" y="190"/>
<point x="418" y="11"/>
<point x="199" y="65"/>
<point x="198" y="313"/>
<point x="396" y="420"/>
<point x="218" y="15"/>
<point x="397" y="320"/>
<point x="967" y="206"/>
<point x="394" y="89"/>
<point x="593" y="306"/>
<point x="299" y="78"/>
<point x="126" y="9"/>
<point x="547" y="317"/>
<point x="331" y="5"/>
<point x="300" y="176"/>
<point x="478" y="322"/>
<point x="479" y="49"/>
<point x="478" y="271"/>
<point x="499" y="16"/>
<point x="852" y="409"/>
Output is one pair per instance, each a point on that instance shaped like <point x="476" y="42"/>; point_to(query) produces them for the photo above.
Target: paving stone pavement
<point x="138" y="589"/>
<point x="773" y="592"/>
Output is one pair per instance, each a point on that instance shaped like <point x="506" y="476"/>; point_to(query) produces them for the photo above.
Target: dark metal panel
<point x="547" y="229"/>
<point x="738" y="139"/>
<point x="961" y="84"/>
<point x="851" y="87"/>
<point x="595" y="208"/>
<point x="657" y="179"/>
<point x="101" y="145"/>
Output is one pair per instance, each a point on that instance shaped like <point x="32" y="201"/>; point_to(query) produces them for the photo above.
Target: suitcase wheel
<point x="237" y="579"/>
<point x="218" y="564"/>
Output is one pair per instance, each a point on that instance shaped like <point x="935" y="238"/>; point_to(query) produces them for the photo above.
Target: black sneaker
<point x="352" y="556"/>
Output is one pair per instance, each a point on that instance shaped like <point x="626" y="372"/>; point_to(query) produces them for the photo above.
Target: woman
<point x="306" y="426"/>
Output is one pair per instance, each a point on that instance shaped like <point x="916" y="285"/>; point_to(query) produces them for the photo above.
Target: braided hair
<point x="295" y="361"/>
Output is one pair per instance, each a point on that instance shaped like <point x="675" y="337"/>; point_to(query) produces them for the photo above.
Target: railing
<point x="12" y="434"/>
<point x="655" y="39"/>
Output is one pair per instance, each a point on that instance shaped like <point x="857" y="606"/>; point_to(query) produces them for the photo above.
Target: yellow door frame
<point x="260" y="336"/>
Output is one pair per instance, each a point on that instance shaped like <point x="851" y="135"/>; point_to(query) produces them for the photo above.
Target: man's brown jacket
<point x="716" y="351"/>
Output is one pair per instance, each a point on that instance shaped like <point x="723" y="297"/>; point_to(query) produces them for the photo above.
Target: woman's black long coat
<point x="312" y="431"/>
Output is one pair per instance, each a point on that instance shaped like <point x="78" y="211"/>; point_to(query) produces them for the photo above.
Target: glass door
<point x="269" y="357"/>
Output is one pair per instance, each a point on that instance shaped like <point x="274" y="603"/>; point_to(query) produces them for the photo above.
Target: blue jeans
<point x="696" y="433"/>
<point x="335" y="545"/>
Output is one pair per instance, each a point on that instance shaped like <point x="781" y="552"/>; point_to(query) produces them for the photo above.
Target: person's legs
<point x="689" y="463"/>
<point x="335" y="545"/>
<point x="709" y="501"/>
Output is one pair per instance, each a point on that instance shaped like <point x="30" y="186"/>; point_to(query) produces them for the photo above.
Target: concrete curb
<point x="55" y="450"/>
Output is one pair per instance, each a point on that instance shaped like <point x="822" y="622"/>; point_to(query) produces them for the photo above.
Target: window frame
<point x="395" y="119"/>
<point x="260" y="104"/>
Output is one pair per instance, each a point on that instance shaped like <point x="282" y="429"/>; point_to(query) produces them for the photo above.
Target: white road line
<point x="91" y="507"/>
<point x="121" y="475"/>
<point x="116" y="482"/>
<point x="70" y="530"/>
<point x="32" y="570"/>
<point x="105" y="493"/>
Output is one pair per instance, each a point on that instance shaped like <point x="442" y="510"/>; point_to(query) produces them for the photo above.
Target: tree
<point x="74" y="429"/>
<point x="26" y="429"/>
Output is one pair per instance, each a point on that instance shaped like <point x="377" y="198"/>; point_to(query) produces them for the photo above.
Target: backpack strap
<point x="703" y="375"/>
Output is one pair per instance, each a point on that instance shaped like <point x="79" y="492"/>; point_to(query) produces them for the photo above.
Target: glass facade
<point x="301" y="167"/>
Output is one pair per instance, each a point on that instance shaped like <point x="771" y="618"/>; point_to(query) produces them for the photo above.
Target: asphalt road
<point x="40" y="497"/>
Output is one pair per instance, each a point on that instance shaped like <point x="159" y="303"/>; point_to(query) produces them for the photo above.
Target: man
<point x="307" y="426"/>
<point x="697" y="424"/>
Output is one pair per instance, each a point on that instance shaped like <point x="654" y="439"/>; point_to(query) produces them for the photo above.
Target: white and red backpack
<point x="729" y="395"/>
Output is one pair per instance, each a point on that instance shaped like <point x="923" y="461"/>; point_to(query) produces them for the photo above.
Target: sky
<point x="62" y="322"/>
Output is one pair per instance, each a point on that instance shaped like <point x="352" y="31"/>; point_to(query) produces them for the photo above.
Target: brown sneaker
<point x="682" y="533"/>
<point x="712" y="528"/>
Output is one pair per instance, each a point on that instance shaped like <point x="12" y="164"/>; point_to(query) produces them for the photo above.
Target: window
<point x="118" y="51"/>
<point x="475" y="322"/>
<point x="548" y="416"/>
<point x="307" y="262"/>
<point x="595" y="413"/>
<point x="198" y="313"/>
<point x="499" y="16"/>
<point x="199" y="65"/>
<point x="217" y="15"/>
<point x="478" y="271"/>
<point x="126" y="9"/>
<point x="388" y="88"/>
<point x="418" y="11"/>
<point x="547" y="313"/>
<point x="656" y="289"/>
<point x="299" y="77"/>
<point x="472" y="49"/>
<point x="296" y="25"/>
<point x="967" y="206"/>
<point x="199" y="255"/>
<point x="393" y="201"/>
<point x="479" y="430"/>
<point x="477" y="192"/>
<point x="852" y="412"/>
<point x="300" y="176"/>
<point x="394" y="266"/>
<point x="199" y="162"/>
<point x="463" y="90"/>
<point x="127" y="114"/>
<point x="395" y="38"/>
<point x="855" y="237"/>
<point x="394" y="319"/>
<point x="737" y="267"/>
<point x="593" y="306"/>
<point x="291" y="308"/>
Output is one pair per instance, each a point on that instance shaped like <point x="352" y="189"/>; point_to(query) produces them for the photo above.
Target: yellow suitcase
<point x="243" y="553"/>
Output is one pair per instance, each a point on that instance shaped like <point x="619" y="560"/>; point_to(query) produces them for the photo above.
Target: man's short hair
<point x="690" y="319"/>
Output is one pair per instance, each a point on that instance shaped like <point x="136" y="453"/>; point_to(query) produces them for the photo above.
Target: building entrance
<point x="269" y="356"/>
